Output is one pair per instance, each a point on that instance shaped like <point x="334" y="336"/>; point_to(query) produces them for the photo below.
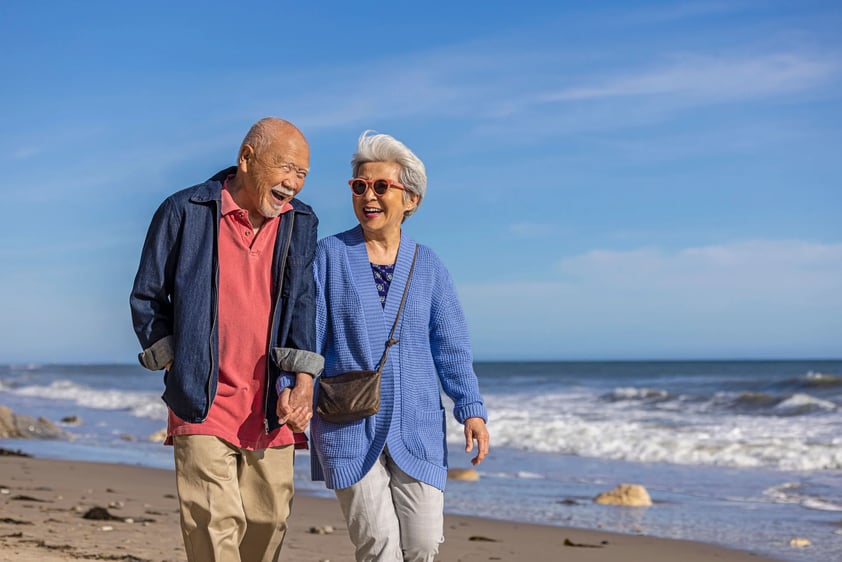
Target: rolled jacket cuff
<point x="298" y="360"/>
<point x="158" y="355"/>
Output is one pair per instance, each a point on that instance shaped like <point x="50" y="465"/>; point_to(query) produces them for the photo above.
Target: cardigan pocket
<point x="424" y="435"/>
<point x="342" y="440"/>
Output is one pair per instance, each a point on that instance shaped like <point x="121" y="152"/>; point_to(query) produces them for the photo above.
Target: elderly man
<point x="223" y="301"/>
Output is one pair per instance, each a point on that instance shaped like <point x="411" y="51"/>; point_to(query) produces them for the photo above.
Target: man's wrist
<point x="303" y="379"/>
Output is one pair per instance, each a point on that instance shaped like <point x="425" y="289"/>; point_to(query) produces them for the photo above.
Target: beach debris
<point x="10" y="521"/>
<point x="480" y="538"/>
<point x="100" y="514"/>
<point x="19" y="426"/>
<point x="800" y="542"/>
<point x="23" y="498"/>
<point x="107" y="528"/>
<point x="630" y="495"/>
<point x="323" y="530"/>
<point x="71" y="420"/>
<point x="159" y="435"/>
<point x="13" y="453"/>
<point x="568" y="542"/>
<point x="466" y="474"/>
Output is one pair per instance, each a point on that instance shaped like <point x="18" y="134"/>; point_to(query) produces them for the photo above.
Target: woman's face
<point x="382" y="216"/>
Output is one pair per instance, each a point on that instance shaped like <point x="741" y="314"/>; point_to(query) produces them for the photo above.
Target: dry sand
<point x="43" y="504"/>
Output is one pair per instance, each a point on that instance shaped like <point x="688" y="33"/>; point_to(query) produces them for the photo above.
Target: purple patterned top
<point x="383" y="278"/>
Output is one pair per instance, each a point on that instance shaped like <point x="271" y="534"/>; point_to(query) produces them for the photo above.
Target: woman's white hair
<point x="378" y="147"/>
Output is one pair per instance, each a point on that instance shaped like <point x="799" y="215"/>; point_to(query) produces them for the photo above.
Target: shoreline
<point x="44" y="503"/>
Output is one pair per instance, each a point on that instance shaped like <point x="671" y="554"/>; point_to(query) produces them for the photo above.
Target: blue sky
<point x="612" y="180"/>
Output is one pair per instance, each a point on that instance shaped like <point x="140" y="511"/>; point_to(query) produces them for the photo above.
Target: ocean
<point x="746" y="454"/>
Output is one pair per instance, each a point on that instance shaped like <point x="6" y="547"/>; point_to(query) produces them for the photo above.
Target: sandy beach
<point x="56" y="510"/>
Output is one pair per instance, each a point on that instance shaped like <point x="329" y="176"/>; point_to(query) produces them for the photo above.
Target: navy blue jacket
<point x="175" y="298"/>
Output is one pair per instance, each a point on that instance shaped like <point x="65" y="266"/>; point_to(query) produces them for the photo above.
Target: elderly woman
<point x="389" y="469"/>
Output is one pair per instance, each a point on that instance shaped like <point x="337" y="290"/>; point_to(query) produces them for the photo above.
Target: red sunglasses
<point x="359" y="186"/>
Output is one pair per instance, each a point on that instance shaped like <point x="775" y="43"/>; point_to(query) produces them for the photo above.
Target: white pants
<point x="393" y="517"/>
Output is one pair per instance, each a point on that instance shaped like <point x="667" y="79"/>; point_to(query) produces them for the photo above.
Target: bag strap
<point x="392" y="341"/>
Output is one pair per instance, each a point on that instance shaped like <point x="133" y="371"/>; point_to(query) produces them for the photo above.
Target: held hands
<point x="475" y="430"/>
<point x="295" y="405"/>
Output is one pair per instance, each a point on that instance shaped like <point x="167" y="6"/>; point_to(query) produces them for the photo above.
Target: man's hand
<point x="475" y="430"/>
<point x="295" y="405"/>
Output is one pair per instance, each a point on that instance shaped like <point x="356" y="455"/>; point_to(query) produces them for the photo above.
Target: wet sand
<point x="52" y="510"/>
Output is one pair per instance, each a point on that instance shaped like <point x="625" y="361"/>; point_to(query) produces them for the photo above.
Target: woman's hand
<point x="295" y="405"/>
<point x="475" y="430"/>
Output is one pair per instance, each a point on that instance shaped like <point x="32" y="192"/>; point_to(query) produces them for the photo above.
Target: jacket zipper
<point x="215" y="301"/>
<point x="267" y="390"/>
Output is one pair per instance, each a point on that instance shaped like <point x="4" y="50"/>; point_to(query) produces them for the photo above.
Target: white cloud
<point x="711" y="79"/>
<point x="752" y="298"/>
<point x="759" y="266"/>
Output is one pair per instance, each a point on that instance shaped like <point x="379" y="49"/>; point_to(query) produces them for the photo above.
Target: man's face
<point x="276" y="174"/>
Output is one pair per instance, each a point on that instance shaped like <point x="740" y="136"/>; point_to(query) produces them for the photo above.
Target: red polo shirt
<point x="244" y="316"/>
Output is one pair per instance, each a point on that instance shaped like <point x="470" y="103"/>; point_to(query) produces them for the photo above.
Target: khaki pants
<point x="234" y="502"/>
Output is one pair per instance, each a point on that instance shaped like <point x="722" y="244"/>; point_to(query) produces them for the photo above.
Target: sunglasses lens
<point x="381" y="187"/>
<point x="358" y="187"/>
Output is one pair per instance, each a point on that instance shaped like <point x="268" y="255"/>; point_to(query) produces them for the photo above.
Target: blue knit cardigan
<point x="434" y="353"/>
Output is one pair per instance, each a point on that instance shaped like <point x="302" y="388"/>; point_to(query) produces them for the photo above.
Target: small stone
<point x="101" y="514"/>
<point x="107" y="528"/>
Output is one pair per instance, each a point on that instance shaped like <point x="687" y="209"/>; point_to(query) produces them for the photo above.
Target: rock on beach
<point x="630" y="495"/>
<point x="19" y="426"/>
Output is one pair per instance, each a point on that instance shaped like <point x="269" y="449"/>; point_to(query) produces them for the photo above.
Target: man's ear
<point x="245" y="157"/>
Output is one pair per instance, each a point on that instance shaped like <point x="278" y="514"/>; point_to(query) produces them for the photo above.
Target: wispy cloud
<point x="749" y="296"/>
<point x="758" y="266"/>
<point x="710" y="79"/>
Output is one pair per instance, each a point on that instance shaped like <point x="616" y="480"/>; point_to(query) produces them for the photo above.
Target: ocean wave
<point x="812" y="379"/>
<point x="794" y="493"/>
<point x="140" y="404"/>
<point x="798" y="404"/>
<point x="768" y="404"/>
<point x="583" y="425"/>
<point x="634" y="393"/>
